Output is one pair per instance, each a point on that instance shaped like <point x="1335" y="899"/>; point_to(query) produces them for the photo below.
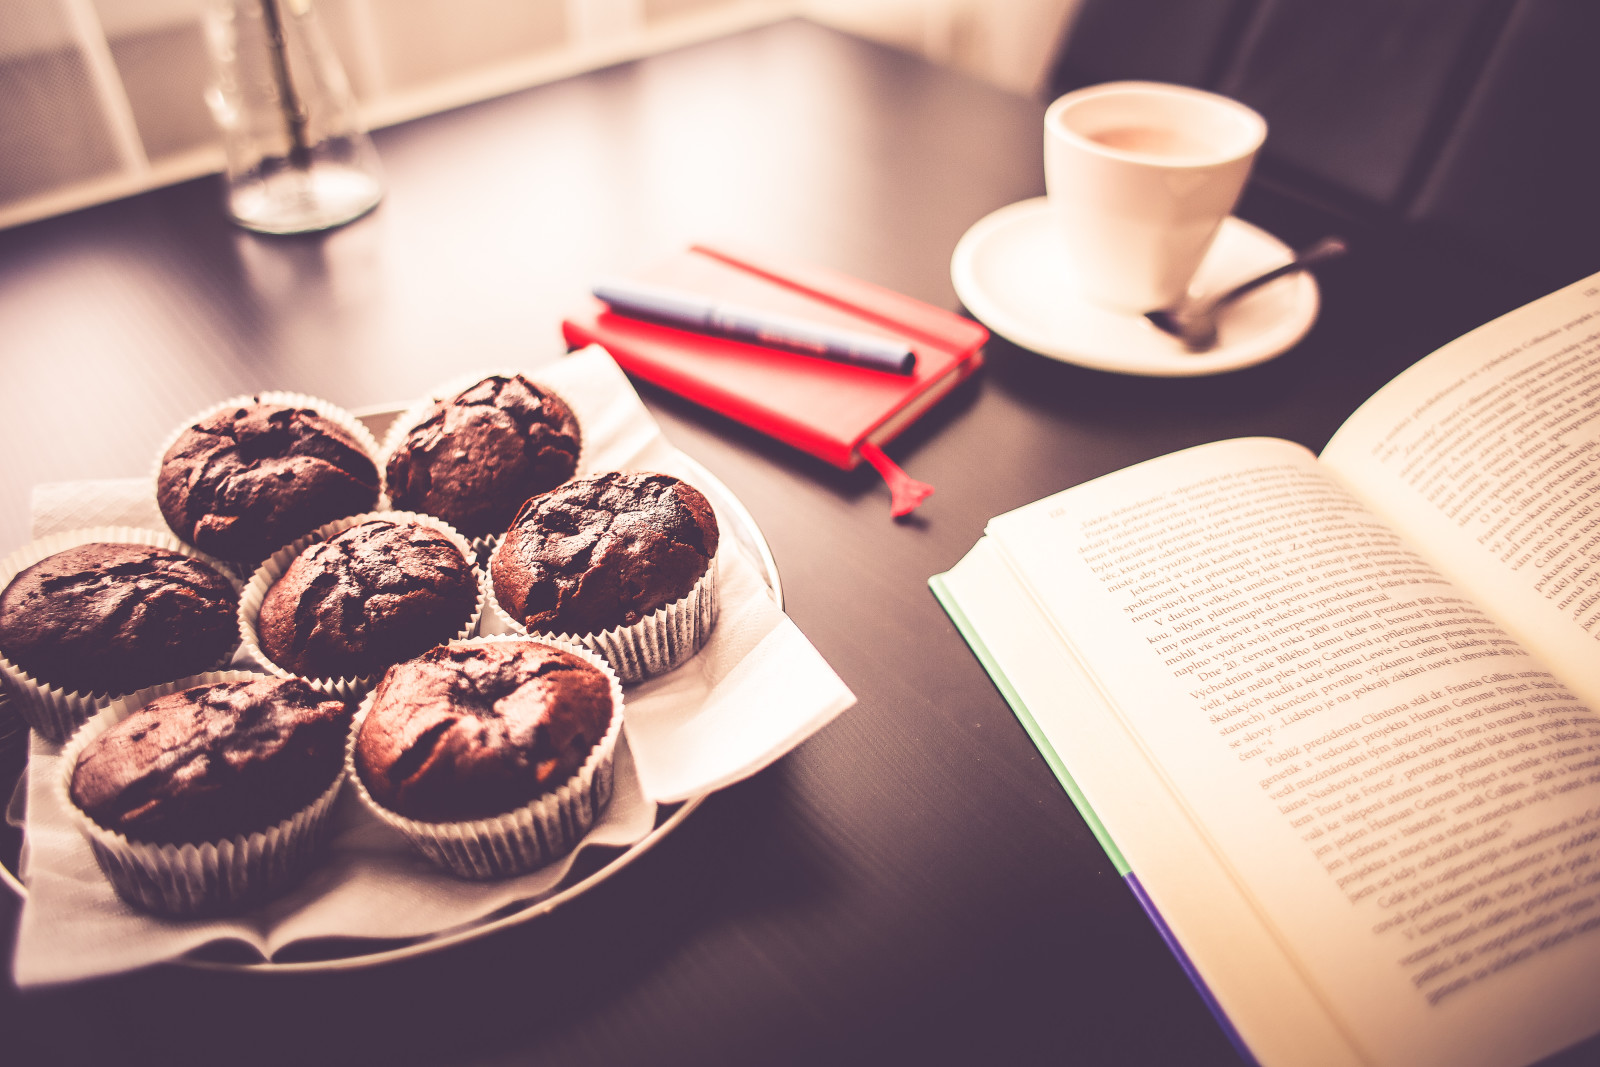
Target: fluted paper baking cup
<point x="54" y="711"/>
<point x="660" y="642"/>
<point x="408" y="419"/>
<point x="262" y="581"/>
<point x="333" y="412"/>
<point x="205" y="878"/>
<point x="532" y="835"/>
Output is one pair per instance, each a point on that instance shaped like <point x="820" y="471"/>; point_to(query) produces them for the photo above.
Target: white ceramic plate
<point x="351" y="954"/>
<point x="1010" y="273"/>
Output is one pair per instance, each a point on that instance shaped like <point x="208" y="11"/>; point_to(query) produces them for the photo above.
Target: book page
<point x="1409" y="798"/>
<point x="1487" y="455"/>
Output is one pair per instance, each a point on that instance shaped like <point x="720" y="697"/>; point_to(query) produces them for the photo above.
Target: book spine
<point x="1013" y="699"/>
<point x="1052" y="758"/>
<point x="1199" y="983"/>
<point x="634" y="357"/>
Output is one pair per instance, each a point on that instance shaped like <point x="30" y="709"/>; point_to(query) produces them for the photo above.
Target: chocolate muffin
<point x="213" y="762"/>
<point x="382" y="591"/>
<point x="603" y="552"/>
<point x="478" y="455"/>
<point x="113" y="618"/>
<point x="242" y="483"/>
<point x="476" y="730"/>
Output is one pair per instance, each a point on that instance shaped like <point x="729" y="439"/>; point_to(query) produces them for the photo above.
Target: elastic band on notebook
<point x="905" y="492"/>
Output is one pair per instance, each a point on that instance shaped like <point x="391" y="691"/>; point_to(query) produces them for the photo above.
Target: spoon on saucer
<point x="1194" y="322"/>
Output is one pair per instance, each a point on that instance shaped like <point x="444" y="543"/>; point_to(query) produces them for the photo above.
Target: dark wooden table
<point x="911" y="884"/>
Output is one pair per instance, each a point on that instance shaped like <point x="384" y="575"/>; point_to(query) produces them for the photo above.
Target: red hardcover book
<point x="837" y="412"/>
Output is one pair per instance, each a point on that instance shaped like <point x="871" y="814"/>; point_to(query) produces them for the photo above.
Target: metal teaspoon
<point x="1194" y="322"/>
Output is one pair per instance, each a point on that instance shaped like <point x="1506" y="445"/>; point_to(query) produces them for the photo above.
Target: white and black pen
<point x="688" y="311"/>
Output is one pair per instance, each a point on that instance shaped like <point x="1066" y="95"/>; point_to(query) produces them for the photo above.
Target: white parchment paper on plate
<point x="755" y="691"/>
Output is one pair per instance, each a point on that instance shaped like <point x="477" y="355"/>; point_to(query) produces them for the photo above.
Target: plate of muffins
<point x="433" y="636"/>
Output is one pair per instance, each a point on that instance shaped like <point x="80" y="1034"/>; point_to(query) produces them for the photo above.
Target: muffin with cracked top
<point x="108" y="618"/>
<point x="476" y="456"/>
<point x="213" y="761"/>
<point x="381" y="591"/>
<point x="247" y="763"/>
<point x="492" y="756"/>
<point x="624" y="562"/>
<point x="244" y="481"/>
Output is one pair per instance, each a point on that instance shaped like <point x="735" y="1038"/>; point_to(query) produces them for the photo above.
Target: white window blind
<point x="103" y="98"/>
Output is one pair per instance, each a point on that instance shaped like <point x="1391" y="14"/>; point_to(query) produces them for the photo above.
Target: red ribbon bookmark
<point x="905" y="492"/>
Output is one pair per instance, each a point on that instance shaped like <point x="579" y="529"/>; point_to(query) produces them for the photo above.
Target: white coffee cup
<point x="1141" y="176"/>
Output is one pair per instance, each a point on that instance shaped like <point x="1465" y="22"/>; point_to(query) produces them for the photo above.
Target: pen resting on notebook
<point x="691" y="312"/>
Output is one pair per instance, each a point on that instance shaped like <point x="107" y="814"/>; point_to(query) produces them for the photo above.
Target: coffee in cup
<point x="1141" y="176"/>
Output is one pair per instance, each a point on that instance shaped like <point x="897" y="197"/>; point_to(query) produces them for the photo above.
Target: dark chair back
<point x="1474" y="124"/>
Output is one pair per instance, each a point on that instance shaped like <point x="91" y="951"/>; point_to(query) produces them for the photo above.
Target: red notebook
<point x="837" y="412"/>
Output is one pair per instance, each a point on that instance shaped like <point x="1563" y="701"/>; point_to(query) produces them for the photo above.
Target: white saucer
<point x="1010" y="273"/>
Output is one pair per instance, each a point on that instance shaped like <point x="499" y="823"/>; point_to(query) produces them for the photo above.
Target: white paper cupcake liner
<point x="255" y="591"/>
<point x="209" y="877"/>
<point x="520" y="840"/>
<point x="333" y="412"/>
<point x="660" y="642"/>
<point x="53" y="711"/>
<point x="395" y="436"/>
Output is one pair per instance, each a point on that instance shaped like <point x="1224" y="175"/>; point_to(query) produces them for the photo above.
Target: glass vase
<point x="299" y="158"/>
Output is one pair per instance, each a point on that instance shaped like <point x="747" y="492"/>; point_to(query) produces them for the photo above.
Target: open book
<point x="1336" y="715"/>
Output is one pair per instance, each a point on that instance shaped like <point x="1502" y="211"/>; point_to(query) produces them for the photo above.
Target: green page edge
<point x="947" y="600"/>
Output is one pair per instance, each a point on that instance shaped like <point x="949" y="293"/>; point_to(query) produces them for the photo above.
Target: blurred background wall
<point x="103" y="98"/>
<point x="1008" y="42"/>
